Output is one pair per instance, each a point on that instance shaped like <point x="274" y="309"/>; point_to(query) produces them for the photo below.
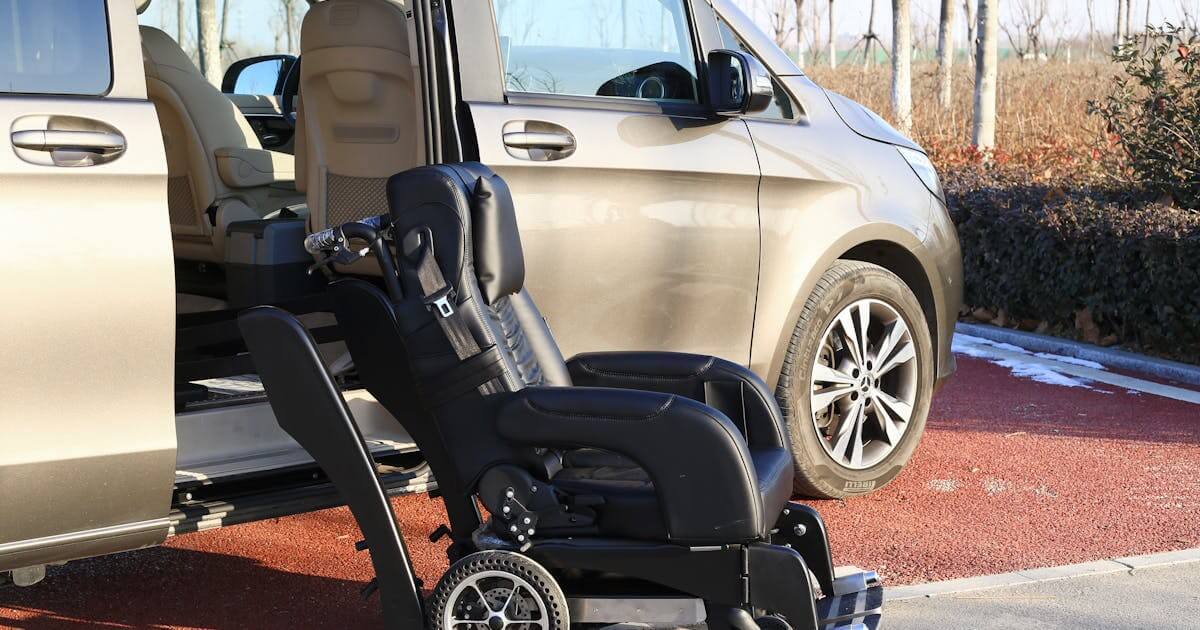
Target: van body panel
<point x="87" y="432"/>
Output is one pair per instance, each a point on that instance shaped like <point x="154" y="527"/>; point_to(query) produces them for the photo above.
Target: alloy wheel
<point x="864" y="384"/>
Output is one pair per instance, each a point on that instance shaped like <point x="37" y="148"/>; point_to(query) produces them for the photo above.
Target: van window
<point x="54" y="47"/>
<point x="616" y="48"/>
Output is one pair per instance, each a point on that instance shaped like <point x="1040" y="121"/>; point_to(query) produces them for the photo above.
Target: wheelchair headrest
<point x="460" y="204"/>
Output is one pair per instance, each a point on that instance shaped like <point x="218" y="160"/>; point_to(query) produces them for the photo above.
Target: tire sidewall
<point x="853" y="282"/>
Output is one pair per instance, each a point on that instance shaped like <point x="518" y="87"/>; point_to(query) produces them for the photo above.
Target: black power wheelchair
<point x="615" y="488"/>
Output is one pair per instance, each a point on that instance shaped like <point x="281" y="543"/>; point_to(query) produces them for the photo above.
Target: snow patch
<point x="980" y="348"/>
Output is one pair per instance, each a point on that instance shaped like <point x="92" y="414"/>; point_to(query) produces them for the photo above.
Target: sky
<point x="254" y="23"/>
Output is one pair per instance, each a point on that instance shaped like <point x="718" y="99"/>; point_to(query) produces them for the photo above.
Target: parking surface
<point x="1018" y="469"/>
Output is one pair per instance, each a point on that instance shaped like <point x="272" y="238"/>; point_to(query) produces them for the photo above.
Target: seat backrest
<point x="470" y="213"/>
<point x="360" y="117"/>
<point x="196" y="119"/>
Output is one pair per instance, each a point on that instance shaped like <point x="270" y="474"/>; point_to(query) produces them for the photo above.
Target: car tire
<point x="870" y="398"/>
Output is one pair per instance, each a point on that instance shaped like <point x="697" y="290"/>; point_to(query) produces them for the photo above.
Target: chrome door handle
<point x="101" y="142"/>
<point x="554" y="141"/>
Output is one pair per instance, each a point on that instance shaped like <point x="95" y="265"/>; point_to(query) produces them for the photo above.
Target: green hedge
<point x="1046" y="251"/>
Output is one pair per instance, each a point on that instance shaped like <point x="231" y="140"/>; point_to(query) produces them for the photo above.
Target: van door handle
<point x="551" y="140"/>
<point x="101" y="142"/>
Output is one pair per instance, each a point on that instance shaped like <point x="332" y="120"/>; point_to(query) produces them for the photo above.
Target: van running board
<point x="216" y="513"/>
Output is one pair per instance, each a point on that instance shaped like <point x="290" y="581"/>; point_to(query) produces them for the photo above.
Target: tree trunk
<point x="225" y="43"/>
<point x="946" y="53"/>
<point x="870" y="38"/>
<point x="1121" y="13"/>
<point x="1128" y="19"/>
<point x="969" y="7"/>
<point x="832" y="44"/>
<point x="1091" y="45"/>
<point x="800" y="32"/>
<point x="209" y="40"/>
<point x="902" y="65"/>
<point x="289" y="15"/>
<point x="181" y="23"/>
<point x="986" y="70"/>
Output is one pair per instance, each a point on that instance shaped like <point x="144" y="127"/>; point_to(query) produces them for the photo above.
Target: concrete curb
<point x="1047" y="574"/>
<point x="1120" y="359"/>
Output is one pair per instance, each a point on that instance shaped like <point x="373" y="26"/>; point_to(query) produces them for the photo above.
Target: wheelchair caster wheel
<point x="498" y="590"/>
<point x="772" y="622"/>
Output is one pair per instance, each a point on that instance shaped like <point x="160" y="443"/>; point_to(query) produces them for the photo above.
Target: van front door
<point x="638" y="209"/>
<point x="87" y="434"/>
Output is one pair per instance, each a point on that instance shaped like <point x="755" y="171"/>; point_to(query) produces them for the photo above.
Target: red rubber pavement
<point x="1011" y="474"/>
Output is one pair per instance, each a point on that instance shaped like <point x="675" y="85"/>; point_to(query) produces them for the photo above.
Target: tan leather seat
<point x="359" y="120"/>
<point x="214" y="160"/>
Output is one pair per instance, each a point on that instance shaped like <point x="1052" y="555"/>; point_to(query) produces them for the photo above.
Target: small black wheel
<point x="772" y="622"/>
<point x="856" y="381"/>
<point x="498" y="590"/>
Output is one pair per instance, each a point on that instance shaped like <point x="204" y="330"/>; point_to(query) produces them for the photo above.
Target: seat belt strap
<point x="439" y="296"/>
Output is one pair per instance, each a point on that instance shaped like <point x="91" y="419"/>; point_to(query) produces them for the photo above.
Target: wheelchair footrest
<point x="856" y="604"/>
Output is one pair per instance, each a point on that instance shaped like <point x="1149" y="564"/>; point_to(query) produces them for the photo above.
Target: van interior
<point x="249" y="176"/>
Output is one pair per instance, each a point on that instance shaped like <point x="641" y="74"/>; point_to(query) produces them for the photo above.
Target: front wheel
<point x="498" y="590"/>
<point x="856" y="381"/>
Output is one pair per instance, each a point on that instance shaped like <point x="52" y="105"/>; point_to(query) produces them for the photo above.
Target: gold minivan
<point x="142" y="208"/>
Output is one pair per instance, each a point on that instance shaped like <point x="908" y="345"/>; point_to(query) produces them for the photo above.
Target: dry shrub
<point x="1043" y="122"/>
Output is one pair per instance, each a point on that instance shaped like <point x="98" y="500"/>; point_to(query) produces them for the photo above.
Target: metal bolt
<point x="786" y="512"/>
<point x="800" y="529"/>
<point x="530" y="532"/>
<point x="533" y="488"/>
<point x="507" y="509"/>
<point x="521" y="538"/>
<point x="514" y="529"/>
<point x="528" y="520"/>
<point x="509" y="493"/>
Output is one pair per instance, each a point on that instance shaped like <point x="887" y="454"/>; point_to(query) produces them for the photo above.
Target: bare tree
<point x="869" y="39"/>
<point x="777" y="18"/>
<point x="945" y="53"/>
<point x="800" y="32"/>
<point x="1091" y="43"/>
<point x="969" y="7"/>
<point x="208" y="38"/>
<point x="832" y="44"/>
<point x="288" y="13"/>
<point x="1028" y="21"/>
<point x="1188" y="17"/>
<point x="902" y="65"/>
<point x="1128" y="19"/>
<point x="1121" y="26"/>
<point x="181" y="23"/>
<point x="983" y="134"/>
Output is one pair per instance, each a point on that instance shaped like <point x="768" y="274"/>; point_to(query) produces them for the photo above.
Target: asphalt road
<point x="1165" y="598"/>
<point x="1013" y="473"/>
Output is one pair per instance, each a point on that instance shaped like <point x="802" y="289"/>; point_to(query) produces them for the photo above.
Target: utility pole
<point x="983" y="134"/>
<point x="902" y="65"/>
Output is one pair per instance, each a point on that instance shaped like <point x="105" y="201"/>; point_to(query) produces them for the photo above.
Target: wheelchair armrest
<point x="701" y="469"/>
<point x="728" y="387"/>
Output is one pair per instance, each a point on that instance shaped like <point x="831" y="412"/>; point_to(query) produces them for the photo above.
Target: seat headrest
<point x="142" y="5"/>
<point x="499" y="258"/>
<point x="355" y="23"/>
<point x="460" y="204"/>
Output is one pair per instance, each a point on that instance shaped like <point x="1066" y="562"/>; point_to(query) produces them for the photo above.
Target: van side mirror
<point x="738" y="83"/>
<point x="257" y="75"/>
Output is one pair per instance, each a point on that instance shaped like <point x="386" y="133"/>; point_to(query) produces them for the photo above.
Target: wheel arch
<point x="888" y="245"/>
<point x="903" y="263"/>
